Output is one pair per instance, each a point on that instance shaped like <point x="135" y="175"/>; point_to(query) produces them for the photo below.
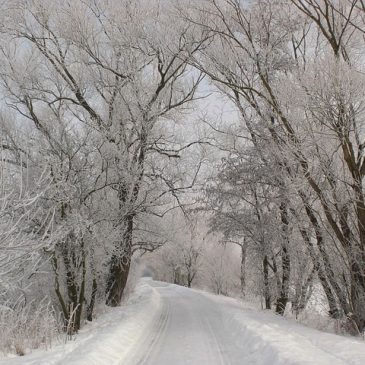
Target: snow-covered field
<point x="166" y="324"/>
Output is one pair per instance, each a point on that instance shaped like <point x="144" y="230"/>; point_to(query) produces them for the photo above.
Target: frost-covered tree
<point x="181" y="258"/>
<point x="292" y="70"/>
<point x="100" y="90"/>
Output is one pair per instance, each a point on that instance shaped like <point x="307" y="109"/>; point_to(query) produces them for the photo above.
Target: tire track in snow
<point x="217" y="343"/>
<point x="160" y="331"/>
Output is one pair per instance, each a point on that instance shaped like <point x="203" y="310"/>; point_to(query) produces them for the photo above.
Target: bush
<point x="24" y="327"/>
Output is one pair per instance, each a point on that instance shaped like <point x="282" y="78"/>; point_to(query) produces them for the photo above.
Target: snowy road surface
<point x="165" y="324"/>
<point x="190" y="329"/>
<point x="197" y="328"/>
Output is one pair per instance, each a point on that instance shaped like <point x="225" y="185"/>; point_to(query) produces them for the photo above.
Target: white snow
<point x="166" y="324"/>
<point x="105" y="341"/>
<point x="272" y="340"/>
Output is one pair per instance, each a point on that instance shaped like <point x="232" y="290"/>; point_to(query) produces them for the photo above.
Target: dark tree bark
<point x="302" y="293"/>
<point x="90" y="307"/>
<point x="119" y="267"/>
<point x="331" y="299"/>
<point x="267" y="295"/>
<point x="285" y="262"/>
<point x="72" y="306"/>
<point x="243" y="269"/>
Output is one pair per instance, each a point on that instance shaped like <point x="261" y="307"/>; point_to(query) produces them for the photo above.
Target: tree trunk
<point x="302" y="294"/>
<point x="119" y="267"/>
<point x="117" y="280"/>
<point x="72" y="307"/>
<point x="243" y="269"/>
<point x="267" y="295"/>
<point x="80" y="304"/>
<point x="285" y="262"/>
<point x="357" y="264"/>
<point x="177" y="276"/>
<point x="284" y="290"/>
<point x="331" y="299"/>
<point x="341" y="295"/>
<point x="357" y="302"/>
<point x="90" y="307"/>
<point x="75" y="290"/>
<point x="189" y="280"/>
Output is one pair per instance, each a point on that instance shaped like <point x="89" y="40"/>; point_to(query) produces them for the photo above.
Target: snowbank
<point x="105" y="341"/>
<point x="272" y="340"/>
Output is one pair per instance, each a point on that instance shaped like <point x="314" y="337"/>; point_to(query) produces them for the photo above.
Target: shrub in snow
<point x="28" y="326"/>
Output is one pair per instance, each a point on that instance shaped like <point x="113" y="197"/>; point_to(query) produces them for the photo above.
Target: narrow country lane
<point x="192" y="327"/>
<point x="166" y="324"/>
<point x="189" y="329"/>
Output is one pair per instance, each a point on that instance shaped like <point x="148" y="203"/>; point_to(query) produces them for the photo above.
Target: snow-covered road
<point x="165" y="324"/>
<point x="196" y="328"/>
<point x="190" y="329"/>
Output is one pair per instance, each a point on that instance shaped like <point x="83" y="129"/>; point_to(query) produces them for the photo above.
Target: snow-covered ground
<point x="166" y="324"/>
<point x="105" y="341"/>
